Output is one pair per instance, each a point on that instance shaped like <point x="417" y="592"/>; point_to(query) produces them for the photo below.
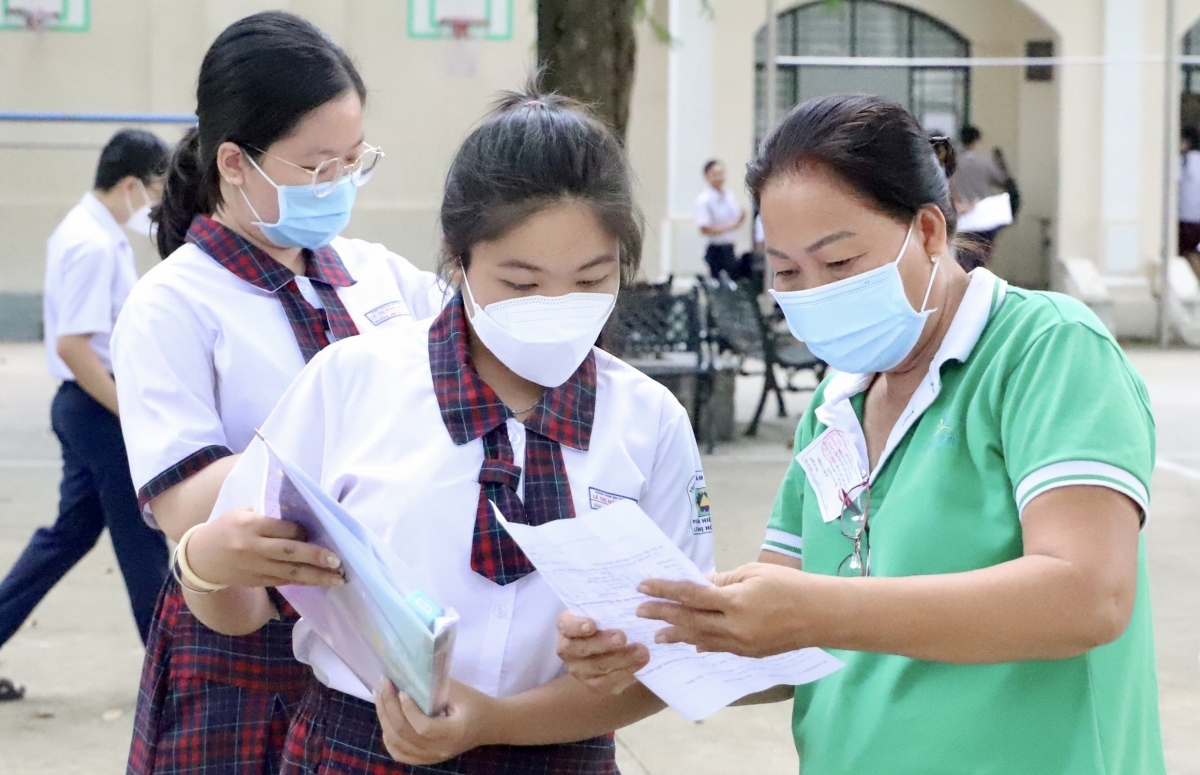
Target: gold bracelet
<point x="185" y="575"/>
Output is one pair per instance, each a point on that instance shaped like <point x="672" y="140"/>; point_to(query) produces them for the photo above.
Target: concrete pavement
<point x="80" y="656"/>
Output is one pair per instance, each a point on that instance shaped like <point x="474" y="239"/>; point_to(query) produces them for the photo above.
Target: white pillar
<point x="1121" y="122"/>
<point x="689" y="131"/>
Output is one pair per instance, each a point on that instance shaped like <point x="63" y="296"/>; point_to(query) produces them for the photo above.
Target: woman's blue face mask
<point x="305" y="219"/>
<point x="862" y="324"/>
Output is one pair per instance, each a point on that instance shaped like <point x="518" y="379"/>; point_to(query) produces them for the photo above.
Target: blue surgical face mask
<point x="863" y="324"/>
<point x="305" y="219"/>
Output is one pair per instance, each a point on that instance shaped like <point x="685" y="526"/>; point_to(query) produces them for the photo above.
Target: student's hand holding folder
<point x="416" y="739"/>
<point x="243" y="549"/>
<point x="381" y="623"/>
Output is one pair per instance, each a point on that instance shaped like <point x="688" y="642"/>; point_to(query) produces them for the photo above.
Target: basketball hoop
<point x="460" y="27"/>
<point x="36" y="19"/>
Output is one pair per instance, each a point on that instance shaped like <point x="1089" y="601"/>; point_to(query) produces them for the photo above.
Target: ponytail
<point x="183" y="195"/>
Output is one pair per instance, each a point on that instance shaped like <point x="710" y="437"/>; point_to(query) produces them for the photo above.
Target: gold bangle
<point x="186" y="576"/>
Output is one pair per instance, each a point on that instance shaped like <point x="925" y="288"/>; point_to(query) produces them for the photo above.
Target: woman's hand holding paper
<point x="413" y="738"/>
<point x="758" y="610"/>
<point x="244" y="549"/>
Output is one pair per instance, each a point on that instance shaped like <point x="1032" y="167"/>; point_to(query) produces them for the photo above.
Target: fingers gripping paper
<point x="379" y="623"/>
<point x="595" y="562"/>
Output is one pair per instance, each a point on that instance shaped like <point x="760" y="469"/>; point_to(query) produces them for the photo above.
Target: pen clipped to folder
<point x="381" y="623"/>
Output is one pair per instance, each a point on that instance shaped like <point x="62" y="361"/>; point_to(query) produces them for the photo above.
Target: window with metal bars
<point x="938" y="96"/>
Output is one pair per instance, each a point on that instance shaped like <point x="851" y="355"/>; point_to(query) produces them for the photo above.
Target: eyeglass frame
<point x="863" y="533"/>
<point x="343" y="169"/>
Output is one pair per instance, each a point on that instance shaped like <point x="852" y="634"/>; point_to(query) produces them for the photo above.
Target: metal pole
<point x="96" y="118"/>
<point x="1170" y="152"/>
<point x="772" y="64"/>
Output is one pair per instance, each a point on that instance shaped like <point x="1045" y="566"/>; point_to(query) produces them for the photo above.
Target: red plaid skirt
<point x="211" y="703"/>
<point x="336" y="734"/>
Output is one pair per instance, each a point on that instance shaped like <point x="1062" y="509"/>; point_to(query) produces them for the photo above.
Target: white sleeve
<point x="676" y="496"/>
<point x="423" y="293"/>
<point x="162" y="359"/>
<point x="85" y="302"/>
<point x="703" y="213"/>
<point x="296" y="431"/>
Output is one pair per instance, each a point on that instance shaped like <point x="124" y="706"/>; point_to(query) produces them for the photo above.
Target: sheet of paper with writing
<point x="595" y="562"/>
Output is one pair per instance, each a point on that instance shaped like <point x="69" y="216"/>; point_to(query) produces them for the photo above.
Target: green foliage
<point x="643" y="12"/>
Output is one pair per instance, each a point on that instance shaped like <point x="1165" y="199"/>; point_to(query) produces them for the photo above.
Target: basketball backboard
<point x="475" y="19"/>
<point x="37" y="15"/>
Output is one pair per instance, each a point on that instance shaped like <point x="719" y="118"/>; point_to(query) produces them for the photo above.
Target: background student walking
<point x="90" y="271"/>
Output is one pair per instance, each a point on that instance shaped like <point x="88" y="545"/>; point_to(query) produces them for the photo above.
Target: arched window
<point x="1191" y="73"/>
<point x="938" y="96"/>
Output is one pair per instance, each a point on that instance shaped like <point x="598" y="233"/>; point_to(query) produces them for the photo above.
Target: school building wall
<point x="1086" y="147"/>
<point x="144" y="55"/>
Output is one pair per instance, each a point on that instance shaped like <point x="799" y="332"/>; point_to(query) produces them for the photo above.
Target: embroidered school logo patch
<point x="702" y="516"/>
<point x="599" y="498"/>
<point x="385" y="312"/>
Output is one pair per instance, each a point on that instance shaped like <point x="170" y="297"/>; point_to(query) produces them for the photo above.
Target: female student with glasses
<point x="962" y="523"/>
<point x="255" y="282"/>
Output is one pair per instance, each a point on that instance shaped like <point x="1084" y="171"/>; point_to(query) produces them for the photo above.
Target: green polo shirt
<point x="1029" y="392"/>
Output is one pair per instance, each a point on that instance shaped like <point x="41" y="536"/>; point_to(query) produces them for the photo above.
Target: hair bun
<point x="943" y="149"/>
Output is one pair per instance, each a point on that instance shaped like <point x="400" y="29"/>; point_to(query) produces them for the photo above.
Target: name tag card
<point x="832" y="466"/>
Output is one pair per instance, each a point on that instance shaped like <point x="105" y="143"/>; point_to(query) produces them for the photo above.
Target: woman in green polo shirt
<point x="961" y="524"/>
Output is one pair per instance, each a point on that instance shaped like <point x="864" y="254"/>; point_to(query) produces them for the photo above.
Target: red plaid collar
<point x="237" y="254"/>
<point x="470" y="408"/>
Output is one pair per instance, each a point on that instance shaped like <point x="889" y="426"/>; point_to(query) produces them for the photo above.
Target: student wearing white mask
<point x="962" y="523"/>
<point x="255" y="282"/>
<point x="503" y="398"/>
<point x="90" y="271"/>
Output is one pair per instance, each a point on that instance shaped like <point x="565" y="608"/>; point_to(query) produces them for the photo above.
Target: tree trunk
<point x="588" y="49"/>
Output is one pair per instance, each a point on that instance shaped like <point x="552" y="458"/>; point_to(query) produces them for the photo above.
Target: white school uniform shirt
<point x="90" y="271"/>
<point x="202" y="356"/>
<point x="715" y="207"/>
<point x="1189" y="191"/>
<point x="363" y="420"/>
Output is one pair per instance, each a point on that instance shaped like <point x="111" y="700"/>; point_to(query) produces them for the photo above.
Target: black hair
<point x="533" y="151"/>
<point x="1191" y="136"/>
<point x="131" y="153"/>
<point x="708" y="165"/>
<point x="969" y="135"/>
<point x="874" y="146"/>
<point x="259" y="79"/>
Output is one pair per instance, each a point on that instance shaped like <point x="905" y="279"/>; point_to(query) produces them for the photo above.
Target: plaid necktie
<point x="472" y="410"/>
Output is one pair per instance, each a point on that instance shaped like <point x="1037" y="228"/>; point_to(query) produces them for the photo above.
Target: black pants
<point x="96" y="492"/>
<point x="722" y="257"/>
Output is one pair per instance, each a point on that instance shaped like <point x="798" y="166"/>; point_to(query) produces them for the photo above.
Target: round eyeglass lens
<point x="855" y="507"/>
<point x="364" y="168"/>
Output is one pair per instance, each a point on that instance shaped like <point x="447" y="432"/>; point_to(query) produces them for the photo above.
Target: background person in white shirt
<point x="719" y="216"/>
<point x="416" y="430"/>
<point x="1189" y="197"/>
<point x="89" y="272"/>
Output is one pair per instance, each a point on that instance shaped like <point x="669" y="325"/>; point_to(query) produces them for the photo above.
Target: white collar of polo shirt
<point x="984" y="296"/>
<point x="103" y="218"/>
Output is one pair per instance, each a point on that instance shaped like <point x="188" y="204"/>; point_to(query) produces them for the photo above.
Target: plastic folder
<point x="380" y="623"/>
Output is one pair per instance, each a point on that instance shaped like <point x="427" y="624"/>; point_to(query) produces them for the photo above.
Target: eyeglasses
<point x="327" y="174"/>
<point x="856" y="505"/>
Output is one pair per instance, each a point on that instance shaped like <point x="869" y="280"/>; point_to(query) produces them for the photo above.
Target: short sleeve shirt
<point x="1028" y="393"/>
<point x="363" y="419"/>
<point x="202" y="355"/>
<point x="90" y="271"/>
<point x="714" y="208"/>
